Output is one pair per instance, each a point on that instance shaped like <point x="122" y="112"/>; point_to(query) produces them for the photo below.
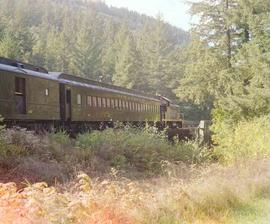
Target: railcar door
<point x="163" y="109"/>
<point x="20" y="95"/>
<point x="68" y="105"/>
<point x="65" y="103"/>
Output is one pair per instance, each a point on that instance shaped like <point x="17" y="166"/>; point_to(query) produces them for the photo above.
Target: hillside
<point x="93" y="40"/>
<point x="136" y="21"/>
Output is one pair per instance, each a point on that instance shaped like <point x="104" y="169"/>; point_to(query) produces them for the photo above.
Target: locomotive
<point x="32" y="97"/>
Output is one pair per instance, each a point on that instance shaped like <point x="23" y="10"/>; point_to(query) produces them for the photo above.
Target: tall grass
<point x="214" y="195"/>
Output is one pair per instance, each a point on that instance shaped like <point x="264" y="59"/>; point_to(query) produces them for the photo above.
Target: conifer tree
<point x="127" y="65"/>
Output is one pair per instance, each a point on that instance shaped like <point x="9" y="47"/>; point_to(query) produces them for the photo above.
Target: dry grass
<point x="210" y="195"/>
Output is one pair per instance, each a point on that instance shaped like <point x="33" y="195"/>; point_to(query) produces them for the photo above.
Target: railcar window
<point x="116" y="103"/>
<point x="19" y="86"/>
<point x="112" y="103"/>
<point x="89" y="101"/>
<point x="126" y="105"/>
<point x="103" y="102"/>
<point x="94" y="101"/>
<point x="79" y="99"/>
<point x="46" y="92"/>
<point x="99" y="102"/>
<point x="120" y="104"/>
<point x="108" y="102"/>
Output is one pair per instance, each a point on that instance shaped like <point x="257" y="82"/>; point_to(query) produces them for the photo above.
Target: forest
<point x="90" y="39"/>
<point x="219" y="70"/>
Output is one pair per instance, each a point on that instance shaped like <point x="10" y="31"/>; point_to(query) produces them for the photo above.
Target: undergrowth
<point x="137" y="177"/>
<point x="131" y="151"/>
<point x="243" y="141"/>
<point x="138" y="149"/>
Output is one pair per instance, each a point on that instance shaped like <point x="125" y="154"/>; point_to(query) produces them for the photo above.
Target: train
<point x="33" y="97"/>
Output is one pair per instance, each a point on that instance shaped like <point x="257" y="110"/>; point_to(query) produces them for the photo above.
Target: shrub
<point x="246" y="140"/>
<point x="60" y="137"/>
<point x="142" y="150"/>
<point x="27" y="140"/>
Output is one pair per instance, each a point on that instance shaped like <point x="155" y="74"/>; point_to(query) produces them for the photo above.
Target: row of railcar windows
<point x="101" y="102"/>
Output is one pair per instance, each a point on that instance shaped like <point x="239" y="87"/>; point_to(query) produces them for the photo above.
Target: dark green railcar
<point x="27" y="94"/>
<point x="84" y="100"/>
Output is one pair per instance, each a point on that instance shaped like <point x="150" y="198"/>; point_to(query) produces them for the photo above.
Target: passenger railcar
<point x="28" y="94"/>
<point x="88" y="100"/>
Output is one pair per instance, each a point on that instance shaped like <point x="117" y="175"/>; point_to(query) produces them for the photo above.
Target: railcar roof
<point x="88" y="83"/>
<point x="28" y="72"/>
<point x="19" y="64"/>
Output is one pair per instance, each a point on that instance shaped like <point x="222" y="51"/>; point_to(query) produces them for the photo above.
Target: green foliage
<point x="60" y="137"/>
<point x="144" y="150"/>
<point x="246" y="140"/>
<point x="92" y="40"/>
<point x="226" y="66"/>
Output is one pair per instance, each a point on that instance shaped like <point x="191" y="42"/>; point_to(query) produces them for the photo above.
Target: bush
<point x="61" y="148"/>
<point x="60" y="137"/>
<point x="142" y="150"/>
<point x="246" y="140"/>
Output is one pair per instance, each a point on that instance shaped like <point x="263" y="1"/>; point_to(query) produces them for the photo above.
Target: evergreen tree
<point x="127" y="66"/>
<point x="155" y="50"/>
<point x="86" y="57"/>
<point x="108" y="52"/>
